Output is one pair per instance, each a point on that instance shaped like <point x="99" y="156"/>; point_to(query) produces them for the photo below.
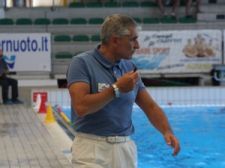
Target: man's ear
<point x="115" y="40"/>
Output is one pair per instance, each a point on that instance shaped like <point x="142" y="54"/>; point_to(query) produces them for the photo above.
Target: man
<point x="103" y="86"/>
<point x="5" y="82"/>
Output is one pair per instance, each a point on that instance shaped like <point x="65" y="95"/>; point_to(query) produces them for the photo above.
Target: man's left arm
<point x="157" y="117"/>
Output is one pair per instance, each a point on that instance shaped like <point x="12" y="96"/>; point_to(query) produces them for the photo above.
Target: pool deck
<point x="26" y="142"/>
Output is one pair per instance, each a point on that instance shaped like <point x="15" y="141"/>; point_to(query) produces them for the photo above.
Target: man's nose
<point x="137" y="46"/>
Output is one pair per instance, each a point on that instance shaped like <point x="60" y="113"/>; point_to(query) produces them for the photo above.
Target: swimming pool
<point x="201" y="131"/>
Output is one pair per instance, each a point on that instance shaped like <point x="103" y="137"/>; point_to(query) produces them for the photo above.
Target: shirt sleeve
<point x="77" y="71"/>
<point x="140" y="84"/>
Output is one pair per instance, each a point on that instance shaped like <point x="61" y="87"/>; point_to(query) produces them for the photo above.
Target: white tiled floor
<point x="25" y="142"/>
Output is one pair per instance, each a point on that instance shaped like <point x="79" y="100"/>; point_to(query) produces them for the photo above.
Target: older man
<point x="103" y="84"/>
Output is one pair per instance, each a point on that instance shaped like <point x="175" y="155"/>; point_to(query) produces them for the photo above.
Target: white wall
<point x="165" y="96"/>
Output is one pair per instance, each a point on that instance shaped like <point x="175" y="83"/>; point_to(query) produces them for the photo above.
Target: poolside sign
<point x="27" y="51"/>
<point x="39" y="99"/>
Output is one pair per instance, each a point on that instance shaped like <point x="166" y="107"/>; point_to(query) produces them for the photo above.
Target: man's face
<point x="127" y="44"/>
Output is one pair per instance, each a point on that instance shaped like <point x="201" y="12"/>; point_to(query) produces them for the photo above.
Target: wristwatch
<point x="116" y="90"/>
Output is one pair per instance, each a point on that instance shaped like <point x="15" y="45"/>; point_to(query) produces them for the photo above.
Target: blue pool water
<point x="201" y="131"/>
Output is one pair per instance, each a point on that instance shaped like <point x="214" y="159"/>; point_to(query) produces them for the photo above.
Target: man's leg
<point x="198" y="3"/>
<point x="188" y="7"/>
<point x="88" y="153"/>
<point x="14" y="84"/>
<point x="175" y="6"/>
<point x="5" y="89"/>
<point x="161" y="6"/>
<point x="125" y="155"/>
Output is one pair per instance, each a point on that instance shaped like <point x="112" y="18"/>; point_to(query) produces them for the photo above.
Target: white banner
<point x="27" y="51"/>
<point x="178" y="51"/>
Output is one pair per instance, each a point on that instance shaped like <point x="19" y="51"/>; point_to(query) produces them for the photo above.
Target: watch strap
<point x="116" y="90"/>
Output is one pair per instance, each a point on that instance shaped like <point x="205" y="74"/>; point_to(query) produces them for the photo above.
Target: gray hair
<point x="116" y="24"/>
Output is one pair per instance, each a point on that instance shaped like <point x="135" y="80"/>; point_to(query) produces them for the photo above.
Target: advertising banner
<point x="26" y="51"/>
<point x="188" y="51"/>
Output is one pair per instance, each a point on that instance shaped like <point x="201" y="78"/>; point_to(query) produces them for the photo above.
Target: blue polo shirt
<point x="114" y="119"/>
